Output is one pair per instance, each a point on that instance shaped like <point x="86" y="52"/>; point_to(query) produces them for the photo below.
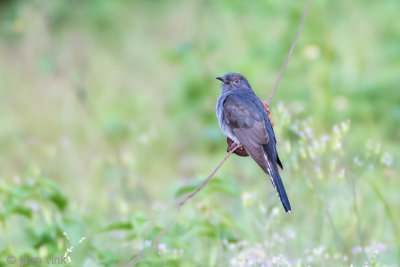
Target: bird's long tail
<point x="278" y="185"/>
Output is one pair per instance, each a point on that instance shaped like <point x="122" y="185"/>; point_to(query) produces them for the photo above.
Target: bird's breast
<point x="225" y="128"/>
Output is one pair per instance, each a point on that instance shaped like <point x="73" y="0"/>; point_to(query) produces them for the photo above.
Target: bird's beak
<point x="222" y="79"/>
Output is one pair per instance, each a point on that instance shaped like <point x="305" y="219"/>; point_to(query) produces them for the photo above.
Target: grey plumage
<point x="242" y="117"/>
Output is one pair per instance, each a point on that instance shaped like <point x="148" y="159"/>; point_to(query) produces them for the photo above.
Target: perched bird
<point x="243" y="118"/>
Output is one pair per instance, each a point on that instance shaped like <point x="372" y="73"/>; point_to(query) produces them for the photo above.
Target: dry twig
<point x="189" y="196"/>
<point x="180" y="204"/>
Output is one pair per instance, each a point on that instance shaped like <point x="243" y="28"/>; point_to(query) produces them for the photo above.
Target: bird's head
<point x="234" y="81"/>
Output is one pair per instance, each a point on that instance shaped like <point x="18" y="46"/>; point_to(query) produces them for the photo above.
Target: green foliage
<point x="119" y="226"/>
<point x="108" y="119"/>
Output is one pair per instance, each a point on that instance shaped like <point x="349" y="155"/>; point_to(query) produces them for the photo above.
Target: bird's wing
<point x="248" y="126"/>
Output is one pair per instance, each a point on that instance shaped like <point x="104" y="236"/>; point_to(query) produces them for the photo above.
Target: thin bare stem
<point x="180" y="204"/>
<point x="189" y="196"/>
<point x="156" y="241"/>
<point x="290" y="52"/>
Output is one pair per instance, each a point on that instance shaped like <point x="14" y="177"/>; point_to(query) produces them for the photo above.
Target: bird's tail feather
<point x="280" y="189"/>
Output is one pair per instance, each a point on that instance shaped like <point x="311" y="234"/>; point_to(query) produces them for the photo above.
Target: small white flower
<point x="325" y="138"/>
<point x="345" y="126"/>
<point x="382" y="247"/>
<point x="357" y="161"/>
<point x="248" y="198"/>
<point x="387" y="159"/>
<point x="231" y="246"/>
<point x="356" y="250"/>
<point x="312" y="52"/>
<point x="162" y="247"/>
<point x="336" y="130"/>
<point x="275" y="211"/>
<point x="290" y="234"/>
<point x="341" y="174"/>
<point x="309" y="134"/>
<point x="147" y="244"/>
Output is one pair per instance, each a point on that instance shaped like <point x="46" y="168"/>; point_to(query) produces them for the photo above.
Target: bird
<point x="242" y="117"/>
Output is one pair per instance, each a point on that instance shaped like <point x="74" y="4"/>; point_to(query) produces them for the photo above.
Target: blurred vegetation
<point x="108" y="118"/>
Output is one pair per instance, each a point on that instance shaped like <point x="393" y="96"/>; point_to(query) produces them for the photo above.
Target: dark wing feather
<point x="248" y="125"/>
<point x="252" y="139"/>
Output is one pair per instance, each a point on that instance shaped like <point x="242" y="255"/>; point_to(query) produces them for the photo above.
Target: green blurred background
<point x="108" y="118"/>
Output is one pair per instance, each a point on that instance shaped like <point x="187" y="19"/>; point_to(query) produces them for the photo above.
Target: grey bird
<point x="243" y="118"/>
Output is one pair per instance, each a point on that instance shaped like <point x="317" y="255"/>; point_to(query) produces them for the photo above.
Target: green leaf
<point x="109" y="258"/>
<point x="21" y="210"/>
<point x="186" y="189"/>
<point x="130" y="237"/>
<point x="119" y="226"/>
<point x="217" y="185"/>
<point x="205" y="228"/>
<point x="59" y="200"/>
<point x="52" y="191"/>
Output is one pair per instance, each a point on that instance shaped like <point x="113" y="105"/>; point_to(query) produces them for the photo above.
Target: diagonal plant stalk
<point x="191" y="195"/>
<point x="290" y="52"/>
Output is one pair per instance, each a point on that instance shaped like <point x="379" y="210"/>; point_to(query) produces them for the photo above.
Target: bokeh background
<point x="108" y="119"/>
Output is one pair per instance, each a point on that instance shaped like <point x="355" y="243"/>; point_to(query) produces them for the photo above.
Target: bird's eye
<point x="236" y="81"/>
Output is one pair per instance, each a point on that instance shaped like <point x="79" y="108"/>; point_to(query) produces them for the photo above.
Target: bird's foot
<point x="240" y="151"/>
